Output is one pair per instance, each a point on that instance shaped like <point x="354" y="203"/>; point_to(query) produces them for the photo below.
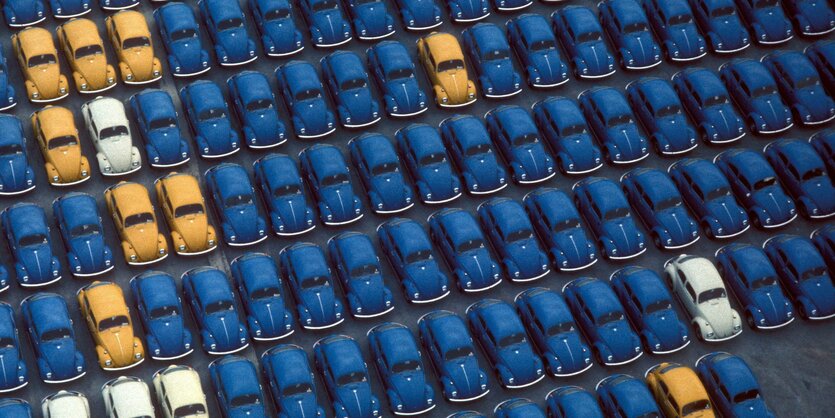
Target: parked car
<point x="427" y="161"/>
<point x="179" y="392"/>
<point x="209" y="119"/>
<point x="370" y="19"/>
<point x="678" y="391"/>
<point x="459" y="238"/>
<point x="443" y="60"/>
<point x="287" y="369"/>
<point x="159" y="127"/>
<point x="766" y="21"/>
<point x="282" y="189"/>
<point x="732" y="386"/>
<point x="259" y="287"/>
<point x="626" y="395"/>
<point x="468" y="143"/>
<point x="802" y="271"/>
<point x="822" y="55"/>
<point x="708" y="194"/>
<point x="279" y="35"/>
<point x="611" y="119"/>
<point x="21" y="13"/>
<point x="237" y="388"/>
<point x="721" y="24"/>
<point x="824" y="240"/>
<point x="305" y="99"/>
<point x="107" y="315"/>
<point x="557" y="224"/>
<point x="398" y="360"/>
<point x="755" y="93"/>
<point x="80" y="224"/>
<point x="306" y="271"/>
<point x="565" y="401"/>
<point x="606" y="210"/>
<point x="7" y="91"/>
<point x="654" y="197"/>
<point x="38" y="59"/>
<point x="15" y="372"/>
<point x="160" y="311"/>
<point x="326" y="21"/>
<point x="27" y="233"/>
<point x="233" y="195"/>
<point x="824" y="143"/>
<point x="133" y="215"/>
<point x="15" y="408"/>
<point x="659" y="109"/>
<point x="673" y="22"/>
<point x="226" y="24"/>
<point x="347" y="81"/>
<point x="57" y="137"/>
<point x="126" y="395"/>
<point x="109" y="130"/>
<point x="581" y="36"/>
<point x="629" y="30"/>
<point x="392" y="67"/>
<point x="409" y="251"/>
<point x="66" y="403"/>
<point x="418" y="15"/>
<point x="804" y="175"/>
<point x="380" y="170"/>
<point x="515" y="135"/>
<point x="214" y="309"/>
<point x="47" y="320"/>
<point x="180" y="35"/>
<point x="339" y="360"/>
<point x="461" y="12"/>
<point x="518" y="407"/>
<point x="564" y="128"/>
<point x="811" y="18"/>
<point x="131" y="40"/>
<point x="489" y="53"/>
<point x="450" y="346"/>
<point x="536" y="48"/>
<point x="510" y="231"/>
<point x="84" y="49"/>
<point x="358" y="269"/>
<point x="801" y="87"/>
<point x="601" y="318"/>
<point x="256" y="109"/>
<point x="328" y="177"/>
<point x="707" y="101"/>
<point x="184" y="209"/>
<point x="699" y="288"/>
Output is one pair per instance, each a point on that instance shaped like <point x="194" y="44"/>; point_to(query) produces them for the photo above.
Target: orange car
<point x="108" y="318"/>
<point x="84" y="49"/>
<point x="443" y="60"/>
<point x="38" y="59"/>
<point x="184" y="209"/>
<point x="133" y="214"/>
<point x="57" y="136"/>
<point x="678" y="391"/>
<point x="128" y="32"/>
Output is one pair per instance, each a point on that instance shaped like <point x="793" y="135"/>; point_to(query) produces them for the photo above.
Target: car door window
<point x="690" y="291"/>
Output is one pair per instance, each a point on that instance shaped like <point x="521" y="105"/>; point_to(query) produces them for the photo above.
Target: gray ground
<point x="795" y="365"/>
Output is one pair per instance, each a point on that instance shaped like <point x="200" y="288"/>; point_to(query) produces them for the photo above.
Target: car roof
<point x="107" y="112"/>
<point x="342" y="353"/>
<point x="596" y="295"/>
<point x="563" y="111"/>
<point x="632" y="394"/>
<point x="796" y="64"/>
<point x="672" y="8"/>
<point x="252" y="85"/>
<point x="127" y="403"/>
<point x="106" y="299"/>
<point x="469" y="130"/>
<point x="610" y="101"/>
<point x="132" y="198"/>
<point x="291" y="365"/>
<point x="79" y="209"/>
<point x="605" y="194"/>
<point x="514" y="120"/>
<point x="489" y="37"/>
<point x="392" y="55"/>
<point x="231" y="179"/>
<point x="223" y="9"/>
<point x="7" y="323"/>
<point x="423" y="139"/>
<point x="238" y="375"/>
<point x="57" y="121"/>
<point x="443" y="46"/>
<point x="700" y="272"/>
<point x="581" y="19"/>
<point x="706" y="82"/>
<point x="346" y="65"/>
<point x="205" y="94"/>
<point x="752" y="73"/>
<point x="280" y="169"/>
<point x="548" y="306"/>
<point x="308" y="260"/>
<point x="177" y="16"/>
<point x="157" y="289"/>
<point x="656" y="184"/>
<point x="509" y="215"/>
<point x="658" y="92"/>
<point x="130" y="24"/>
<point x="156" y="104"/>
<point x="27" y="219"/>
<point x="555" y="204"/>
<point x="258" y="270"/>
<point x="81" y="32"/>
<point x="704" y="173"/>
<point x="440" y="323"/>
<point x="65" y="404"/>
<point x="800" y="251"/>
<point x="627" y="11"/>
<point x="36" y="41"/>
<point x="683" y="383"/>
<point x="376" y="149"/>
<point x="12" y="130"/>
<point x="326" y="160"/>
<point x="210" y="284"/>
<point x="534" y="27"/>
<point x="751" y="164"/>
<point x="182" y="189"/>
<point x="356" y="249"/>
<point x="499" y="316"/>
<point x="301" y="75"/>
<point x="646" y="286"/>
<point x="187" y="382"/>
<point x="48" y="309"/>
<point x="800" y="154"/>
<point x="408" y="235"/>
<point x="733" y="372"/>
<point x="751" y="260"/>
<point x="397" y="342"/>
<point x="460" y="225"/>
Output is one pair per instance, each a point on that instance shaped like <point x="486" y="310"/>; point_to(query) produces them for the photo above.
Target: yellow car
<point x="185" y="212"/>
<point x="38" y="59"/>
<point x="128" y="32"/>
<point x="443" y="60"/>
<point x="84" y="49"/>
<point x="133" y="214"/>
<point x="678" y="391"/>
<point x="108" y="318"/>
<point x="57" y="137"/>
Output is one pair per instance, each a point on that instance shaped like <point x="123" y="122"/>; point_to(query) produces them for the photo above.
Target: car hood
<point x="628" y="141"/>
<point x="773" y="110"/>
<point x="822" y="293"/>
<point x="678" y="224"/>
<point x="271" y="314"/>
<point x="235" y="44"/>
<point x="293" y="212"/>
<point x="620" y="339"/>
<point x="821" y="191"/>
<point x="411" y="388"/>
<point x="724" y="120"/>
<point x="819" y="15"/>
<point x="140" y="61"/>
<point x="356" y="398"/>
<point x="521" y="361"/>
<point x="340" y="200"/>
<point x="217" y="133"/>
<point x="119" y="344"/>
<point x="46" y="78"/>
<point x="13" y="172"/>
<point x="687" y="39"/>
<point x="406" y="93"/>
<point x="728" y="213"/>
<point x="422" y="11"/>
<point x="642" y="48"/>
<point x="816" y="101"/>
<point x="465" y="375"/>
<point x="301" y="405"/>
<point x="170" y="334"/>
<point x="320" y="305"/>
<point x="624" y="236"/>
<point x="374" y="17"/>
<point x="772" y="303"/>
<point x="314" y="114"/>
<point x="331" y="24"/>
<point x="264" y="124"/>
<point x="440" y="179"/>
<point x="455" y="83"/>
<point x="189" y="54"/>
<point x="358" y="103"/>
<point x="574" y="246"/>
<point x="527" y="256"/>
<point x="9" y="361"/>
<point x="194" y="229"/>
<point x="677" y="132"/>
<point x="501" y="75"/>
<point x="67" y="161"/>
<point x="773" y="22"/>
<point x="730" y="30"/>
<point x="426" y="276"/>
<point x="282" y="32"/>
<point x="549" y="66"/>
<point x="119" y="152"/>
<point x="717" y="312"/>
<point x="568" y="348"/>
<point x="534" y="160"/>
<point x="224" y="327"/>
<point x="666" y="326"/>
<point x="167" y="143"/>
<point x="596" y="57"/>
<point x="94" y="69"/>
<point x="90" y="252"/>
<point x="752" y="408"/>
<point x="581" y="150"/>
<point x="392" y="189"/>
<point x="244" y="220"/>
<point x="144" y="241"/>
<point x="479" y="267"/>
<point x="469" y="8"/>
<point x="485" y="169"/>
<point x="371" y="293"/>
<point x="248" y="411"/>
<point x="60" y="356"/>
<point x="775" y="202"/>
<point x="37" y="261"/>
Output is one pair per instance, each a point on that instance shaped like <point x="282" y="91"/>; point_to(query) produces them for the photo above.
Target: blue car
<point x="257" y="111"/>
<point x="259" y="286"/>
<point x="581" y="36"/>
<point x="553" y="331"/>
<point x="159" y="127"/>
<point x="749" y="273"/>
<point x="209" y="119"/>
<point x="339" y="360"/>
<point x="236" y="386"/>
<point x="378" y="166"/>
<point x="161" y="312"/>
<point x="536" y="48"/>
<point x="766" y="21"/>
<point x="811" y="18"/>
<point x="803" y="173"/>
<point x="708" y="194"/>
<point x="755" y="184"/>
<point x="358" y="269"/>
<point x="328" y="178"/>
<point x="326" y="22"/>
<point x="822" y="55"/>
<point x="16" y="174"/>
<point x="626" y="396"/>
<point x="15" y="408"/>
<point x="564" y="127"/>
<point x="282" y="189"/>
<point x="235" y="203"/>
<point x="306" y="270"/>
<point x="824" y="239"/>
<point x="611" y="119"/>
<point x="658" y="203"/>
<point x="558" y="225"/>
<point x="606" y="209"/>
<point x="672" y="20"/>
<point x="518" y="408"/>
<point x="649" y="306"/>
<point x="801" y="87"/>
<point x="418" y="15"/>
<point x="450" y="346"/>
<point x="287" y="369"/>
<point x="468" y="143"/>
<point x="467" y="11"/>
<point x="180" y="34"/>
<point x="721" y="24"/>
<point x="489" y="54"/>
<point x="516" y="136"/>
<point x="426" y="158"/>
<point x="279" y="35"/>
<point x="601" y="317"/>
<point x="7" y="91"/>
<point x="66" y="9"/>
<point x="20" y="13"/>
<point x="459" y="238"/>
<point x="629" y="30"/>
<point x="504" y="340"/>
<point x="659" y="109"/>
<point x="398" y="360"/>
<point x="214" y="310"/>
<point x="467" y="414"/>
<point x="802" y="271"/>
<point x="27" y="233"/>
<point x="79" y="222"/>
<point x="709" y="104"/>
<point x="226" y="25"/>
<point x="732" y="386"/>
<point x="110" y="5"/>
<point x="392" y="67"/>
<point x="15" y="375"/>
<point x="304" y="96"/>
<point x="347" y="81"/>
<point x="824" y="143"/>
<point x="571" y="401"/>
<point x="409" y="251"/>
<point x="512" y="235"/>
<point x="47" y="319"/>
<point x="370" y="19"/>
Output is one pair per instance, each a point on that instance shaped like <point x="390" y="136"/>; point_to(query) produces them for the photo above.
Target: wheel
<point x="656" y="240"/>
<point x="698" y="332"/>
<point x="708" y="231"/>
<point x="596" y="355"/>
<point x="750" y="320"/>
<point x="801" y="310"/>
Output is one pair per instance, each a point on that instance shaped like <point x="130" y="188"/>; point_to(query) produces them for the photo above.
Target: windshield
<point x="459" y="352"/>
<point x="609" y="317"/>
<point x="432" y="159"/>
<point x="813" y="273"/>
<point x="219" y="306"/>
<point x="62" y="141"/>
<point x="277" y="14"/>
<point x="519" y="235"/>
<point x="365" y="270"/>
<point x="353" y="377"/>
<point x="450" y="65"/>
<point x="560" y="328"/>
<point x="87" y="229"/>
<point x="11" y="149"/>
<point x="308" y="94"/>
<point x="635" y="27"/>
<point x="708" y="295"/>
<point x="763" y="183"/>
<point x="356" y="83"/>
<point x="400" y="73"/>
<point x="138" y="219"/>
<point x="746" y="396"/>
<point x="669" y="111"/>
<point x="139" y="41"/>
<point x="573" y="130"/>
<point x="6" y="342"/>
<point x="681" y="19"/>
<point x="589" y="37"/>
<point x="260" y="104"/>
<point x="117" y="321"/>
<point x="616" y="213"/>
<point x="162" y="123"/>
<point x="695" y="406"/>
<point x="297" y="389"/>
<point x="470" y="245"/>
<point x="618" y="120"/>
<point x="86" y="51"/>
<point x="525" y="139"/>
<point x="383" y="169"/>
<point x="764" y="90"/>
<point x="183" y="34"/>
<point x="164" y="312"/>
<point x="566" y="224"/>
<point x="764" y="3"/>
<point x="324" y="5"/>
<point x="243" y="400"/>
<point x="264" y="293"/>
<point x="210" y="114"/>
<point x="43" y="59"/>
<point x="716" y="100"/>
<point x="186" y="210"/>
<point x="659" y="305"/>
<point x="543" y="45"/>
<point x="232" y="23"/>
<point x="763" y="282"/>
<point x="668" y="203"/>
<point x="723" y="11"/>
<point x="497" y="54"/>
<point x="287" y="190"/>
<point x="34" y="239"/>
<point x="815" y="172"/>
<point x="112" y="131"/>
<point x="189" y="410"/>
<point x="335" y="179"/>
<point x="238" y="200"/>
<point x="419" y="255"/>
<point x="56" y="334"/>
<point x="478" y="149"/>
<point x="718" y="192"/>
<point x="511" y="340"/>
<point x="406" y="366"/>
<point x="315" y="281"/>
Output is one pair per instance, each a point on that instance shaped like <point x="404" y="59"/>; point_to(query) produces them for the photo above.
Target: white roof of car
<point x="68" y="405"/>
<point x="107" y="112"/>
<point x="186" y="383"/>
<point x="131" y="397"/>
<point x="701" y="273"/>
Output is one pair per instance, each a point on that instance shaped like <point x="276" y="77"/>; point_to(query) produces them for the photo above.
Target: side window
<point x="690" y="291"/>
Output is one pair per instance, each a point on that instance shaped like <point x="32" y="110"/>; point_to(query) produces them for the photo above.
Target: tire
<point x="698" y="332"/>
<point x="707" y="230"/>
<point x="750" y="320"/>
<point x="656" y="240"/>
<point x="801" y="310"/>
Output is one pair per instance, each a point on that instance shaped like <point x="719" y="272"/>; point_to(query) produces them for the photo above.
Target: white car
<point x="108" y="125"/>
<point x="180" y="393"/>
<point x="700" y="289"/>
<point x="127" y="396"/>
<point x="65" y="404"/>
